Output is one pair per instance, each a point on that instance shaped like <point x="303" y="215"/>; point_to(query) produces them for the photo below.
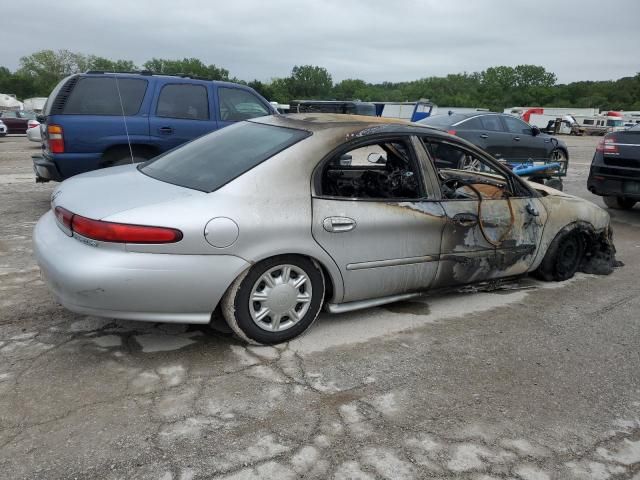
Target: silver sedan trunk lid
<point x="108" y="191"/>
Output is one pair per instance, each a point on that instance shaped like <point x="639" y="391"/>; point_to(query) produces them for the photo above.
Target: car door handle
<point x="466" y="219"/>
<point x="165" y="130"/>
<point x="339" y="224"/>
<point x="484" y="135"/>
<point x="517" y="139"/>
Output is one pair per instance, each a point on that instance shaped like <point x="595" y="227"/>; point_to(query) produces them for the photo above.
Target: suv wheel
<point x="123" y="156"/>
<point x="619" y="203"/>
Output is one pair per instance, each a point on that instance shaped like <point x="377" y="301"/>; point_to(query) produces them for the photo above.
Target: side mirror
<point x="41" y="118"/>
<point x="535" y="131"/>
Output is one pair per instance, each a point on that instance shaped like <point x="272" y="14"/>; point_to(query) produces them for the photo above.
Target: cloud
<point x="374" y="40"/>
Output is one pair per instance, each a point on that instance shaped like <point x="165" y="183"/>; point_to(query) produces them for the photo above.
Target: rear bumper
<point x="60" y="166"/>
<point x="45" y="170"/>
<point x="109" y="281"/>
<point x="608" y="181"/>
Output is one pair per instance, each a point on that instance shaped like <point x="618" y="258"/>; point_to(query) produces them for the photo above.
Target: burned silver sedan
<point x="268" y="220"/>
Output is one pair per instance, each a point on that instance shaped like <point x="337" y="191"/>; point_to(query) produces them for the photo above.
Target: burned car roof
<point x="352" y="124"/>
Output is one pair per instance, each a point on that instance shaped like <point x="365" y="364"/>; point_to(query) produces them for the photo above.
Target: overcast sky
<point x="374" y="40"/>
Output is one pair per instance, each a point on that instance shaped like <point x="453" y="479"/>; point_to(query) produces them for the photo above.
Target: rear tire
<point x="275" y="300"/>
<point x="619" y="203"/>
<point x="563" y="258"/>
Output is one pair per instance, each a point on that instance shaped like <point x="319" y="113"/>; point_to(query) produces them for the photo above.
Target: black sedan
<point x="503" y="136"/>
<point x="615" y="169"/>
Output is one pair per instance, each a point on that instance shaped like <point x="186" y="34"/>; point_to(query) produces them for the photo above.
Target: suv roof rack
<point x="137" y="72"/>
<point x="148" y="73"/>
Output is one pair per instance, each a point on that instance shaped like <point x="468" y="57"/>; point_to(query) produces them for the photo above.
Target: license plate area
<point x="631" y="187"/>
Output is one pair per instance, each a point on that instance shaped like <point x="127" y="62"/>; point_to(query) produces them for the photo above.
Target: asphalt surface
<point x="541" y="381"/>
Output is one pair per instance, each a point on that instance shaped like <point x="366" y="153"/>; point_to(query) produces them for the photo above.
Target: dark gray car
<point x="504" y="136"/>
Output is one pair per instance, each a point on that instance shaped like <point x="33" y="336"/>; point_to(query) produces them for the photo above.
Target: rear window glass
<point x="99" y="96"/>
<point x="210" y="162"/>
<point x="443" y="120"/>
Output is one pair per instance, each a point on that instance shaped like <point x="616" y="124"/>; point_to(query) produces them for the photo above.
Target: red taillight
<point x="32" y="123"/>
<point x="607" y="145"/>
<point x="451" y="132"/>
<point x="64" y="216"/>
<point x="122" y="232"/>
<point x="115" y="232"/>
<point x="55" y="139"/>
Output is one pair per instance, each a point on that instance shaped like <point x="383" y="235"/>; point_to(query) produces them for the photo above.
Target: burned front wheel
<point x="276" y="300"/>
<point x="563" y="258"/>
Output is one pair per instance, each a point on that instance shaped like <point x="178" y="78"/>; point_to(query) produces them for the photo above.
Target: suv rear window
<point x="212" y="161"/>
<point x="99" y="96"/>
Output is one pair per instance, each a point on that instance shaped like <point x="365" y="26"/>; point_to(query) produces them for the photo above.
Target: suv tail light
<point x="116" y="232"/>
<point x="55" y="139"/>
<point x="607" y="145"/>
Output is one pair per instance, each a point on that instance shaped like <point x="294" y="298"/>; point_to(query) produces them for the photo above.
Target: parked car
<point x="615" y="169"/>
<point x="3" y="129"/>
<point x="504" y="136"/>
<point x="33" y="132"/>
<point x="86" y="126"/>
<point x="264" y="220"/>
<point x="16" y="120"/>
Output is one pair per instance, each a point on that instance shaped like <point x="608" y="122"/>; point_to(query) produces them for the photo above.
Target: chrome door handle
<point x="466" y="219"/>
<point x="484" y="135"/>
<point x="339" y="224"/>
<point x="517" y="139"/>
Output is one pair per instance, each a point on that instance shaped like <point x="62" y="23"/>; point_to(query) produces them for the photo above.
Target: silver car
<point x="270" y="219"/>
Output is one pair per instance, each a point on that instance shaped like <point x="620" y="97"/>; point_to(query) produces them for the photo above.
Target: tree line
<point x="494" y="88"/>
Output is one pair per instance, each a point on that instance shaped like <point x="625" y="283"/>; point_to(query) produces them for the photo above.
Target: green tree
<point x="187" y="66"/>
<point x="308" y="81"/>
<point x="46" y="68"/>
<point x="351" y="89"/>
<point x="107" y="65"/>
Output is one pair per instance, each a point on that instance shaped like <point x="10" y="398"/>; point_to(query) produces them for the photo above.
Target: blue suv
<point x="101" y="119"/>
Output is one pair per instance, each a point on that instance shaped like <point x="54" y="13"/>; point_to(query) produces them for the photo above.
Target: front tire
<point x="619" y="203"/>
<point x="563" y="258"/>
<point x="275" y="300"/>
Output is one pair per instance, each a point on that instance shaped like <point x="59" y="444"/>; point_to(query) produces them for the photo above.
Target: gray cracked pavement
<point x="539" y="381"/>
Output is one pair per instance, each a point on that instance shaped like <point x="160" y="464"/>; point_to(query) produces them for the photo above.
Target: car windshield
<point x="212" y="161"/>
<point x="443" y="120"/>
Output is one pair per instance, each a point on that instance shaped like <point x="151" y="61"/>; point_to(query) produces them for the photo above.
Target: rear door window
<point x="236" y="104"/>
<point x="491" y="123"/>
<point x="184" y="100"/>
<point x="210" y="162"/>
<point x="472" y="124"/>
<point x="101" y="96"/>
